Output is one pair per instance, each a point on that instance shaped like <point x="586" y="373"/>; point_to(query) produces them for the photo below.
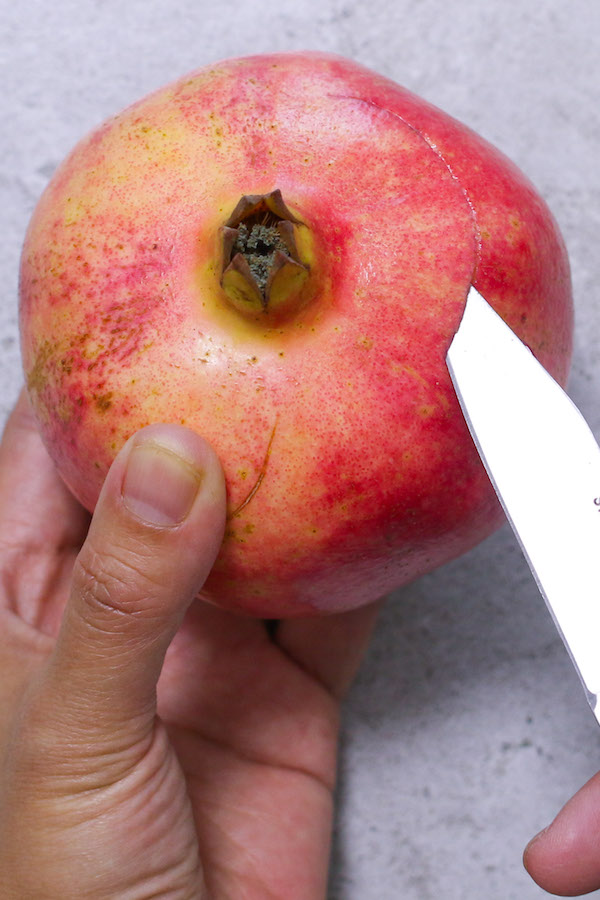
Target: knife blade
<point x="544" y="463"/>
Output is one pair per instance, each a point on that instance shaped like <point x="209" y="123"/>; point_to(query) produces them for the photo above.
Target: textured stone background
<point x="467" y="728"/>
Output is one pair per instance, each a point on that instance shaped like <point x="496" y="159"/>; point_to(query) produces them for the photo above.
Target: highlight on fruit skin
<point x="276" y="251"/>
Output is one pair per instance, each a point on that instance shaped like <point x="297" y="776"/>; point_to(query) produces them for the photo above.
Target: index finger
<point x="37" y="512"/>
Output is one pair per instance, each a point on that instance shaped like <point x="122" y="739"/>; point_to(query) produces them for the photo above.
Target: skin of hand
<point x="564" y="858"/>
<point x="151" y="745"/>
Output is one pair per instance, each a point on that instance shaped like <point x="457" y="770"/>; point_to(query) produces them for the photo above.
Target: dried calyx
<point x="262" y="270"/>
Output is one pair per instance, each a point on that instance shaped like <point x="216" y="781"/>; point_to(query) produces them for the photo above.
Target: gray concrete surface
<point x="467" y="729"/>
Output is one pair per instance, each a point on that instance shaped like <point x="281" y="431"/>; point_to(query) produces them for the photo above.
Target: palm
<point x="255" y="736"/>
<point x="250" y="714"/>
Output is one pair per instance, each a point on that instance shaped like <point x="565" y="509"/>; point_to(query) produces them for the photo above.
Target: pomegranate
<point x="276" y="252"/>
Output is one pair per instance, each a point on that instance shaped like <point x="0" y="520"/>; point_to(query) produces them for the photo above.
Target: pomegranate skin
<point x="349" y="467"/>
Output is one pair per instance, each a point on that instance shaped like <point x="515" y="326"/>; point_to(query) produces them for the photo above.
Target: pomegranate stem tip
<point x="262" y="270"/>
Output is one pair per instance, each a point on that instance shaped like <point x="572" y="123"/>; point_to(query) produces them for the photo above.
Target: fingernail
<point x="159" y="486"/>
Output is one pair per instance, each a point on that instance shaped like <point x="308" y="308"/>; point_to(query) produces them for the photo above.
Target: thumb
<point x="154" y="536"/>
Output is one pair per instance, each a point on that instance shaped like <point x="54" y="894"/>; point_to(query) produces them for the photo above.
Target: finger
<point x="154" y="536"/>
<point x="330" y="649"/>
<point x="564" y="859"/>
<point x="36" y="509"/>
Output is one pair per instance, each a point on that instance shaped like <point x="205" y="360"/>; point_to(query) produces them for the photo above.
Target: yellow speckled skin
<point x="348" y="464"/>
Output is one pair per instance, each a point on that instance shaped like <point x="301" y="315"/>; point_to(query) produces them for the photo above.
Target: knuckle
<point x="114" y="585"/>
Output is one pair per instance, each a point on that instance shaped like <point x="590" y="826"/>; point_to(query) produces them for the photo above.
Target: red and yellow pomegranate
<point x="276" y="252"/>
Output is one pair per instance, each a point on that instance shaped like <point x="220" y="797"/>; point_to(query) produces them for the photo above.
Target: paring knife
<point x="544" y="463"/>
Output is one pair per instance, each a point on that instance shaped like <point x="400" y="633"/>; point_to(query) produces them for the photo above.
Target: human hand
<point x="564" y="858"/>
<point x="151" y="746"/>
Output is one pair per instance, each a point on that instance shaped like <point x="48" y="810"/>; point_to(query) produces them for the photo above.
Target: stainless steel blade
<point x="544" y="463"/>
